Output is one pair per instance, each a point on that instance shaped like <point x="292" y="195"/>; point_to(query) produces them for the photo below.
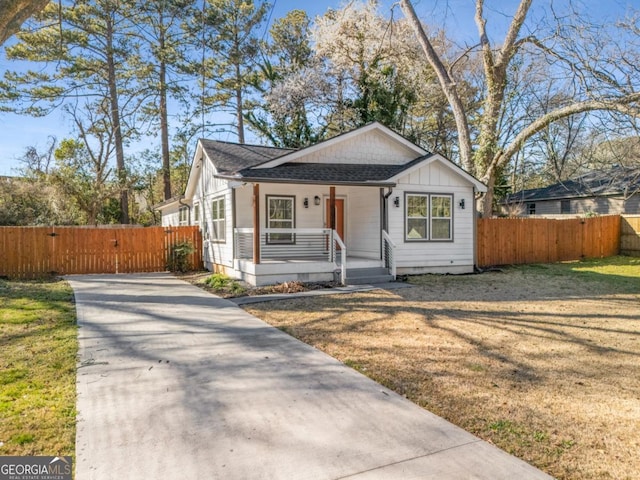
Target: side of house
<point x="175" y="212"/>
<point x="600" y="192"/>
<point x="432" y="220"/>
<point x="575" y="206"/>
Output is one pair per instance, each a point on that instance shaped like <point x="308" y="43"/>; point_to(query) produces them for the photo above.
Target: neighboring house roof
<point x="617" y="180"/>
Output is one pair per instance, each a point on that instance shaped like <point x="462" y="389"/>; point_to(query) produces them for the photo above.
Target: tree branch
<point x="622" y="105"/>
<point x="447" y="84"/>
<point x="509" y="45"/>
<point x="13" y="13"/>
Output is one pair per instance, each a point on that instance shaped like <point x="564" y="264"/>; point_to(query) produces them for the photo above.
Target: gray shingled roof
<point x="233" y="160"/>
<point x="336" y="173"/>
<point x="230" y="158"/>
<point x="615" y="181"/>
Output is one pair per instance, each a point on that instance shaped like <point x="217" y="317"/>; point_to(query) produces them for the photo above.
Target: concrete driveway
<point x="174" y="383"/>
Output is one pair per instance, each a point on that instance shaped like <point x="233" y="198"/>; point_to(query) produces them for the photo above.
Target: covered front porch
<point x="318" y="255"/>
<point x="324" y="224"/>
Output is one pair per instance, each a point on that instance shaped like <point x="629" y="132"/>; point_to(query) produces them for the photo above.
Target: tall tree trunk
<point x="115" y="120"/>
<point x="486" y="202"/>
<point x="164" y="120"/>
<point x="448" y="85"/>
<point x="239" y="104"/>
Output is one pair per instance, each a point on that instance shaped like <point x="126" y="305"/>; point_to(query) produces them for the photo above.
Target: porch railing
<point x="338" y="243"/>
<point x="319" y="244"/>
<point x="388" y="253"/>
<point x="286" y="243"/>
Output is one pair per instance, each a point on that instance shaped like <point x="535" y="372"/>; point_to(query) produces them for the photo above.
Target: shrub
<point x="178" y="260"/>
<point x="221" y="283"/>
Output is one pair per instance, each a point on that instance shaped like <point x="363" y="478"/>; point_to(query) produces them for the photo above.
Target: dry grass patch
<point x="542" y="361"/>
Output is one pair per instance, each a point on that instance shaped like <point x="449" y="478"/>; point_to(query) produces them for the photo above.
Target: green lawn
<point x="620" y="273"/>
<point x="38" y="341"/>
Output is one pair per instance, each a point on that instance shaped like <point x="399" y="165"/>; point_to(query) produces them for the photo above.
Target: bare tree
<point x="13" y="13"/>
<point x="602" y="75"/>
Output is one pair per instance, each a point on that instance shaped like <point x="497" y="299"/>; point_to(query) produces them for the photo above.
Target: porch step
<point x="364" y="276"/>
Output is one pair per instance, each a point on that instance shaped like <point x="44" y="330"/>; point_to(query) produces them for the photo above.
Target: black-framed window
<point x="565" y="206"/>
<point x="218" y="220"/>
<point x="281" y="214"/>
<point x="531" y="208"/>
<point x="428" y="217"/>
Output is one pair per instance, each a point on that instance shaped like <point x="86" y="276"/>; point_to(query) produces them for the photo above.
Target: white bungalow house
<point x="361" y="206"/>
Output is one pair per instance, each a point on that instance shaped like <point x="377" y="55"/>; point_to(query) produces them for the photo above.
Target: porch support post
<point x="256" y="223"/>
<point x="332" y="208"/>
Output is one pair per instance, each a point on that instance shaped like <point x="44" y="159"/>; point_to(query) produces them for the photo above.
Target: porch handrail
<point x="301" y="231"/>
<point x="389" y="253"/>
<point x="343" y="257"/>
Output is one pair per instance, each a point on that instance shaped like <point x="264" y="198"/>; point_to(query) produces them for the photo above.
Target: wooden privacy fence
<point x="27" y="252"/>
<point x="630" y="235"/>
<point x="509" y="241"/>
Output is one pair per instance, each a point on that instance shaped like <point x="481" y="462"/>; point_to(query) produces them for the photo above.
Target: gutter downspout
<point x="384" y="220"/>
<point x="386" y="209"/>
<point x="207" y="251"/>
<point x="475" y="232"/>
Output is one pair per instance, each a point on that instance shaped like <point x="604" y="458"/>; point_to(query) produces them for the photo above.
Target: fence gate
<point x="28" y="252"/>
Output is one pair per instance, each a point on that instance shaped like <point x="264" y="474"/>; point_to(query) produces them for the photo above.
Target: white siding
<point x="451" y="256"/>
<point x="215" y="253"/>
<point x="311" y="217"/>
<point x="362" y="212"/>
<point x="363" y="222"/>
<point x="171" y="216"/>
<point x="371" y="147"/>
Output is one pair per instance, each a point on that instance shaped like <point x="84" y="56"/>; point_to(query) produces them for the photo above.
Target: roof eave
<point x="374" y="183"/>
<point x="168" y="203"/>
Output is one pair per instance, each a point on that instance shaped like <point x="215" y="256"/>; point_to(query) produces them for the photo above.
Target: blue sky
<point x="19" y="132"/>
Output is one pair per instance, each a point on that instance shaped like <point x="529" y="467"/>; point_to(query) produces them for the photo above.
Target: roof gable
<point x="441" y="175"/>
<point x="226" y="158"/>
<point x="371" y="144"/>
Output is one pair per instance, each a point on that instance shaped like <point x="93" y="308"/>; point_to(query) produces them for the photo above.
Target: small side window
<point x="196" y="214"/>
<point x="531" y="208"/>
<point x="183" y="216"/>
<point x="218" y="219"/>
